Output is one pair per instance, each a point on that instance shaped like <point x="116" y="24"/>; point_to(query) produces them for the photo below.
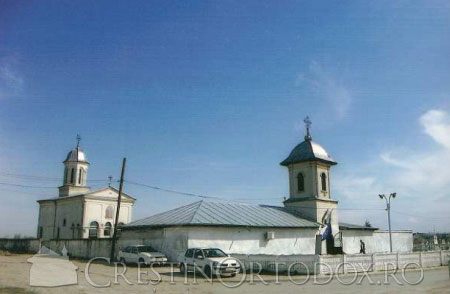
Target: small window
<point x="323" y="178"/>
<point x="64" y="222"/>
<point x="79" y="177"/>
<point x="300" y="182"/>
<point x="57" y="234"/>
<point x="41" y="232"/>
<point x="107" y="231"/>
<point x="189" y="253"/>
<point x="72" y="175"/>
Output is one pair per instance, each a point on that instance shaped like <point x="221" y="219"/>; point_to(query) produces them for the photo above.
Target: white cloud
<point x="11" y="82"/>
<point x="437" y="124"/>
<point x="327" y="87"/>
<point x="420" y="177"/>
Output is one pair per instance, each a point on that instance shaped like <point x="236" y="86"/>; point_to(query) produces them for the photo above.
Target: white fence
<point x="326" y="264"/>
<point x="299" y="264"/>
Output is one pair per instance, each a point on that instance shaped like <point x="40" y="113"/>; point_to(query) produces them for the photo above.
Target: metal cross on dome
<point x="308" y="123"/>
<point x="78" y="140"/>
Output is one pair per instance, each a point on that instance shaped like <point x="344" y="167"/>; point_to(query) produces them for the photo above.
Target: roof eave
<point x="288" y="161"/>
<point x="135" y="227"/>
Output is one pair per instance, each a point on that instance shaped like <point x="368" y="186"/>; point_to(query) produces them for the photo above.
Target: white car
<point x="212" y="261"/>
<point x="142" y="254"/>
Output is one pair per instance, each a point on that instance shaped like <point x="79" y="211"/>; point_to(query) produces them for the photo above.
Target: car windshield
<point x="146" y="249"/>
<point x="214" y="253"/>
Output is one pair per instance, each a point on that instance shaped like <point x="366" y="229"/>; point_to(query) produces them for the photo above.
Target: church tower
<point x="309" y="168"/>
<point x="75" y="173"/>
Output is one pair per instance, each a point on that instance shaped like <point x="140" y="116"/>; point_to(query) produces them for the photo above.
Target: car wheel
<point x="208" y="271"/>
<point x="182" y="268"/>
<point x="122" y="260"/>
<point x="233" y="275"/>
<point x="141" y="260"/>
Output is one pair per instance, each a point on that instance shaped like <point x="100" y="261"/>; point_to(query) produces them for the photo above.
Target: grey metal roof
<point x="211" y="213"/>
<point x="306" y="151"/>
<point x="347" y="226"/>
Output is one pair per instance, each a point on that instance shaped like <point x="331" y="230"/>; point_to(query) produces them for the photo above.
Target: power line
<point x="228" y="199"/>
<point x="41" y="178"/>
<point x="438" y="217"/>
<point x="173" y="191"/>
<point x="38" y="187"/>
<point x="27" y="186"/>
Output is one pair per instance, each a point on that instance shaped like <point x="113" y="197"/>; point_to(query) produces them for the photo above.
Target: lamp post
<point x="388" y="208"/>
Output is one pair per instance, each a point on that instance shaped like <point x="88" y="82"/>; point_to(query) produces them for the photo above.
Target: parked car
<point x="141" y="253"/>
<point x="212" y="261"/>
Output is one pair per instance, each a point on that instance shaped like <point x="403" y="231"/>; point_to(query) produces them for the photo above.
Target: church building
<point x="78" y="212"/>
<point x="307" y="223"/>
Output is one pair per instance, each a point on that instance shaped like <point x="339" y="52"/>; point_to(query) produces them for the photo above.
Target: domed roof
<point x="307" y="151"/>
<point x="76" y="155"/>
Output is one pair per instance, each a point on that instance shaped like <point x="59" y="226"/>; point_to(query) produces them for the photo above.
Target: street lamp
<point x="388" y="208"/>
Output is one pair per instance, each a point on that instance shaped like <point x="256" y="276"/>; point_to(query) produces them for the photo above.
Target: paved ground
<point x="15" y="272"/>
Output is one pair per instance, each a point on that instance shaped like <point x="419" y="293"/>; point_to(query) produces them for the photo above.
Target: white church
<point x="78" y="212"/>
<point x="307" y="223"/>
<point x="297" y="227"/>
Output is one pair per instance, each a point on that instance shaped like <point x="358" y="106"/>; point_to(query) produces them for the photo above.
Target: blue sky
<point x="208" y="97"/>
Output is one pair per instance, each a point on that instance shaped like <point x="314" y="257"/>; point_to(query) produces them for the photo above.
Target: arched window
<point x="79" y="177"/>
<point x="109" y="213"/>
<point x="72" y="175"/>
<point x="93" y="230"/>
<point x="64" y="222"/>
<point x="323" y="178"/>
<point x="300" y="182"/>
<point x="65" y="176"/>
<point x="107" y="231"/>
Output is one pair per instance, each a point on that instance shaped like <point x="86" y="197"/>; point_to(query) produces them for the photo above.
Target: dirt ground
<point x="15" y="278"/>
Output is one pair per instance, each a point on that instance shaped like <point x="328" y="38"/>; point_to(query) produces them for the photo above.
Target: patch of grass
<point x="15" y="290"/>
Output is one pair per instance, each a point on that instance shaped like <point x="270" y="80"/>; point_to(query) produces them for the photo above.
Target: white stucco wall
<point x="69" y="209"/>
<point x="378" y="241"/>
<point x="253" y="241"/>
<point x="81" y="211"/>
<point x="170" y="241"/>
<point x="174" y="241"/>
<point x="95" y="210"/>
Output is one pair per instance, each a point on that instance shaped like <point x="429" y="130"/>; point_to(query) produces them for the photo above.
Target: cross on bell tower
<point x="308" y="124"/>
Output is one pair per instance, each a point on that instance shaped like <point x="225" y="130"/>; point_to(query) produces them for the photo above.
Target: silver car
<point x="141" y="254"/>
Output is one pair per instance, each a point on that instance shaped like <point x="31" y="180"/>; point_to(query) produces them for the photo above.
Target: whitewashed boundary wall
<point x="314" y="264"/>
<point x="327" y="264"/>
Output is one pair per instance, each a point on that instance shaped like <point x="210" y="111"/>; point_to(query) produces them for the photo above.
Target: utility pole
<point x="388" y="208"/>
<point x="114" y="238"/>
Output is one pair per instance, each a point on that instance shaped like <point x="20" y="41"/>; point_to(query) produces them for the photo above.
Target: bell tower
<point x="309" y="168"/>
<point x="75" y="172"/>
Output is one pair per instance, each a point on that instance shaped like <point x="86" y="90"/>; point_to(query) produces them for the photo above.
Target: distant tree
<point x="367" y="224"/>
